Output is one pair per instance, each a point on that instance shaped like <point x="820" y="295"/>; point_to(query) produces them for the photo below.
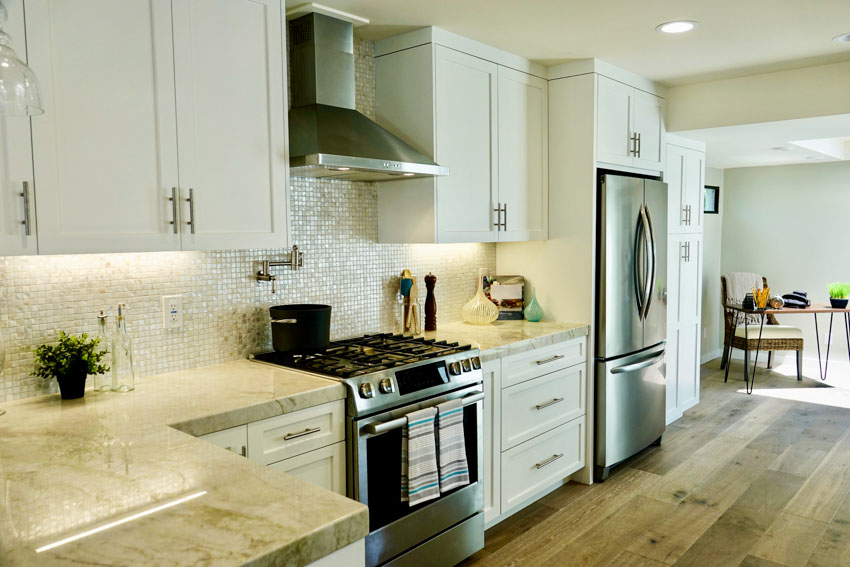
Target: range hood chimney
<point x="327" y="136"/>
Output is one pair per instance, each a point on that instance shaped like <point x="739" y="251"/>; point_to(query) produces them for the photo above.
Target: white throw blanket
<point x="738" y="285"/>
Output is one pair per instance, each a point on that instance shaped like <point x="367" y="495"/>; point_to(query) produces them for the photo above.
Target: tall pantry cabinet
<point x="685" y="178"/>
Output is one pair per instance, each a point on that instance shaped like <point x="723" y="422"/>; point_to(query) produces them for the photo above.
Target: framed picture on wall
<point x="711" y="199"/>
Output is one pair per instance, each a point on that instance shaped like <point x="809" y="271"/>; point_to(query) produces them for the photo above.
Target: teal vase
<point x="533" y="311"/>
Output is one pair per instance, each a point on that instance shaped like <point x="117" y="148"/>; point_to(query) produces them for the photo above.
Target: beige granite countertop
<point x="67" y="467"/>
<point x="504" y="338"/>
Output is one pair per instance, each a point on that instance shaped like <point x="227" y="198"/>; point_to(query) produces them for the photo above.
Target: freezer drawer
<point x="630" y="406"/>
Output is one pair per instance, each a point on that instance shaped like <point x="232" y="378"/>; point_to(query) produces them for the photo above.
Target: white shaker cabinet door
<point x="17" y="210"/>
<point x="523" y="156"/>
<point x="231" y="105"/>
<point x="614" y="122"/>
<point x="492" y="439"/>
<point x="648" y="126"/>
<point x="104" y="151"/>
<point x="466" y="109"/>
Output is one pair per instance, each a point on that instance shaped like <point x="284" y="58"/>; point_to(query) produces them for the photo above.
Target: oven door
<point x="375" y="479"/>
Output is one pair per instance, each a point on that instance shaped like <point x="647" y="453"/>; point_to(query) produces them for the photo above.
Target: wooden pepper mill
<point x="430" y="303"/>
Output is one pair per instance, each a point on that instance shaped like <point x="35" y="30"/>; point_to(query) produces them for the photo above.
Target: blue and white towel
<point x="454" y="471"/>
<point x="419" y="479"/>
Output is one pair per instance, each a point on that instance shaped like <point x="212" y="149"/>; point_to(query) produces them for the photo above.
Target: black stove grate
<point x="364" y="355"/>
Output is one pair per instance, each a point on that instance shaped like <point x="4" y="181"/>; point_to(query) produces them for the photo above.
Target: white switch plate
<point x="172" y="311"/>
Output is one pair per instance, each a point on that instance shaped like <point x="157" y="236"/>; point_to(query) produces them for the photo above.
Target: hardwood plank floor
<point x="740" y="480"/>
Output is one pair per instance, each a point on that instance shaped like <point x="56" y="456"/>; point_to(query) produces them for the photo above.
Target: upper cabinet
<point x="164" y="125"/>
<point x="17" y="200"/>
<point x="685" y="178"/>
<point x="485" y="121"/>
<point x="630" y="126"/>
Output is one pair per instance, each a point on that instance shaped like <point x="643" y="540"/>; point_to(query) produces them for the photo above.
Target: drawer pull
<point x="548" y="461"/>
<point x="549" y="403"/>
<point x="552" y="359"/>
<point x="289" y="436"/>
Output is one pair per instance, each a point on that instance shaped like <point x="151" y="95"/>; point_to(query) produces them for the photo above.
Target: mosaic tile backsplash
<point x="335" y="223"/>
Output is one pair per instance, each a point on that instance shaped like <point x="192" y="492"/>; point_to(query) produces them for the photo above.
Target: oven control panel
<point x="421" y="377"/>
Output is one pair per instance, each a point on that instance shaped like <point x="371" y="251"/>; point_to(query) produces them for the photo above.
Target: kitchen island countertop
<point x="504" y="338"/>
<point x="67" y="467"/>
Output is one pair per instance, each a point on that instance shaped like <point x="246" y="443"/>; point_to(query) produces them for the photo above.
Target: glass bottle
<point x="103" y="382"/>
<point x="123" y="374"/>
<point x="533" y="312"/>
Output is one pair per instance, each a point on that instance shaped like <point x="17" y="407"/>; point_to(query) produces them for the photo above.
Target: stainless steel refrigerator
<point x="631" y="318"/>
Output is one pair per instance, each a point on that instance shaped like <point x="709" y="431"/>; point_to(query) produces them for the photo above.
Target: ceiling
<point x="735" y="37"/>
<point x="808" y="140"/>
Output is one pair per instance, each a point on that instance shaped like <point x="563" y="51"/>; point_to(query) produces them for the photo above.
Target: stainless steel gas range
<point x="389" y="376"/>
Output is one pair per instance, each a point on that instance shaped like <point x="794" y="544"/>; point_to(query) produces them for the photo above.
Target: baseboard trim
<point x="708" y="357"/>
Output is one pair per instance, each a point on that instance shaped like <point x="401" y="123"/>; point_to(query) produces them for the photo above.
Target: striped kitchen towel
<point x="454" y="471"/>
<point x="419" y="480"/>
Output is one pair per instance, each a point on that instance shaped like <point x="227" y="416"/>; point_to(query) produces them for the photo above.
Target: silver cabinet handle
<point x="191" y="201"/>
<point x="548" y="461"/>
<point x="633" y="144"/>
<point x="549" y="403"/>
<point x="308" y="431"/>
<point x="638" y="145"/>
<point x="551" y="359"/>
<point x="498" y="211"/>
<point x="174" y="198"/>
<point x="376" y="428"/>
<point x="25" y="193"/>
<point x="505" y="218"/>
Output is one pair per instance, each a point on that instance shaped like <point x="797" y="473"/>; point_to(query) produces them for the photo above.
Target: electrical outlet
<point x="172" y="311"/>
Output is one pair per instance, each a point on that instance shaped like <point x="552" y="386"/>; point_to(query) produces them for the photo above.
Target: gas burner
<point x="348" y="358"/>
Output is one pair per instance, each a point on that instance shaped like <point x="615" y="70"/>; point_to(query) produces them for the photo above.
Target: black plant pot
<point x="72" y="385"/>
<point x="838" y="303"/>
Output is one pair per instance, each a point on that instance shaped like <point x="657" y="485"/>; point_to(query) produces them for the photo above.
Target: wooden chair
<point x="774" y="336"/>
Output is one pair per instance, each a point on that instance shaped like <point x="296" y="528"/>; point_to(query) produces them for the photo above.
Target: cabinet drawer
<point x="541" y="462"/>
<point x="527" y="365"/>
<point x="538" y="405"/>
<point x="285" y="436"/>
<point x="323" y="467"/>
<point x="234" y="439"/>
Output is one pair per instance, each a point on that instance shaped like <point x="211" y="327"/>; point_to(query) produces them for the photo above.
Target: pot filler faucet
<point x="296" y="260"/>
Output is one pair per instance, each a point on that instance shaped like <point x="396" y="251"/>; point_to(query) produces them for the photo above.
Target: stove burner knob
<point x="476" y="363"/>
<point x="386" y="386"/>
<point x="467" y="366"/>
<point x="454" y="368"/>
<point x="366" y="390"/>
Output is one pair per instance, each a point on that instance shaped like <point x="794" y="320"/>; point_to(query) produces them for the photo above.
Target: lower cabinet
<point x="534" y="424"/>
<point x="308" y="443"/>
<point x="323" y="467"/>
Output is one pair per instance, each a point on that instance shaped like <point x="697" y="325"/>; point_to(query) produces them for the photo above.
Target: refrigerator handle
<point x="637" y="266"/>
<point x="650" y="238"/>
<point x="638" y="365"/>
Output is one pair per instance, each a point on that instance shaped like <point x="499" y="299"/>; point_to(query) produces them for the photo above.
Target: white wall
<point x="790" y="224"/>
<point x="767" y="97"/>
<point x="712" y="315"/>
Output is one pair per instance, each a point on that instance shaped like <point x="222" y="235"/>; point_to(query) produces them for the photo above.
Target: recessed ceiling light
<point x="843" y="38"/>
<point x="679" y="26"/>
<point x="781" y="149"/>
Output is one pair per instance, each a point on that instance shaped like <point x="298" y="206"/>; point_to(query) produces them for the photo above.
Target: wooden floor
<point x="739" y="480"/>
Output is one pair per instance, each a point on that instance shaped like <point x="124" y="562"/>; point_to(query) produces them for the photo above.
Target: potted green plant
<point x="70" y="362"/>
<point x="838" y="294"/>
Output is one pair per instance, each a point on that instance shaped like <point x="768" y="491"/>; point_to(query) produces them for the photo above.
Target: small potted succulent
<point x="838" y="294"/>
<point x="70" y="362"/>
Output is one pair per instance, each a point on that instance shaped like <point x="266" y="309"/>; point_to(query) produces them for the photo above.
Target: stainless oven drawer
<point x="449" y="548"/>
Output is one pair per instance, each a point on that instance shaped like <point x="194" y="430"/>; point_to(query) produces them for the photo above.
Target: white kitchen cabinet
<point x="234" y="439"/>
<point x="105" y="150"/>
<point x="487" y="123"/>
<point x="284" y="436"/>
<point x="124" y="84"/>
<point x="630" y="126"/>
<point x="492" y="434"/>
<point x="685" y="178"/>
<point x="523" y="156"/>
<point x="17" y="214"/>
<point x="684" y="313"/>
<point x="231" y="128"/>
<point x="323" y="467"/>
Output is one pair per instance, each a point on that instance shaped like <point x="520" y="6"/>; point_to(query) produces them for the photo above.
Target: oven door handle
<point x="376" y="428"/>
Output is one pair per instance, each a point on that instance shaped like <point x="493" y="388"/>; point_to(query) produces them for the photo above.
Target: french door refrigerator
<point x="631" y="318"/>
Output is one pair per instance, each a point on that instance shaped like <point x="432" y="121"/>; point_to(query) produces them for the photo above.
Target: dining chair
<point x="773" y="337"/>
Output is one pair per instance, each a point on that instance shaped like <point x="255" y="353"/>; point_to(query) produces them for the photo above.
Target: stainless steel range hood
<point x="327" y="137"/>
